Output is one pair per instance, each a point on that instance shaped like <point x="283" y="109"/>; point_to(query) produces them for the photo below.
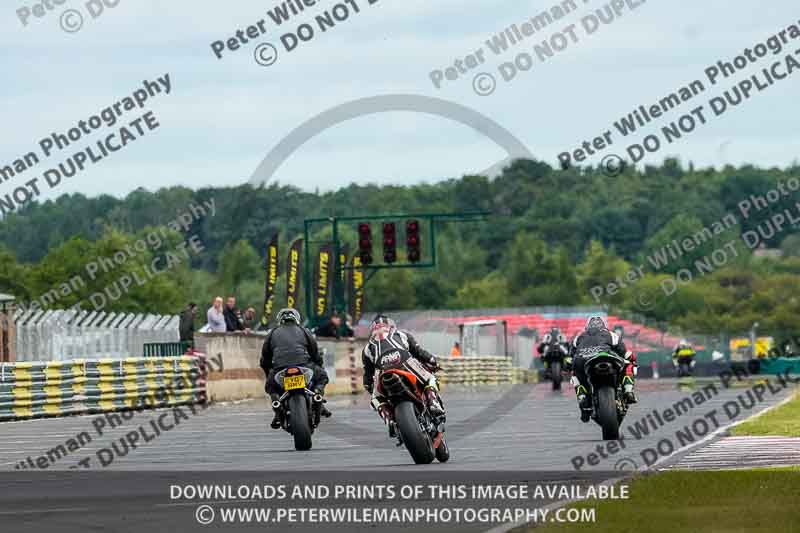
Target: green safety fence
<point x="166" y="349"/>
<point x="780" y="365"/>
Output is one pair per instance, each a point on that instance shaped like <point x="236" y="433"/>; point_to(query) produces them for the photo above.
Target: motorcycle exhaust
<point x="317" y="398"/>
<point x="276" y="404"/>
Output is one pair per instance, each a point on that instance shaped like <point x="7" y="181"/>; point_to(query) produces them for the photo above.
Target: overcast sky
<point x="224" y="116"/>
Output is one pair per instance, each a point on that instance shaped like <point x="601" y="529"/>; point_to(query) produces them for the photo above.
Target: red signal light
<point x="389" y="242"/>
<point x="365" y="243"/>
<point x="413" y="241"/>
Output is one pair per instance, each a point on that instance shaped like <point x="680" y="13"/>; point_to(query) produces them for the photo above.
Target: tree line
<point x="553" y="238"/>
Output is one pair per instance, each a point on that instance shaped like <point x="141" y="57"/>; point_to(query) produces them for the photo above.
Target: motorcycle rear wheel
<point x="299" y="422"/>
<point x="607" y="412"/>
<point x="555" y="371"/>
<point x="417" y="442"/>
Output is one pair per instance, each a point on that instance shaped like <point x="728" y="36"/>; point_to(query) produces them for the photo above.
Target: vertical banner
<point x="323" y="280"/>
<point x="356" y="290"/>
<point x="293" y="269"/>
<point x="272" y="279"/>
<point x="343" y="264"/>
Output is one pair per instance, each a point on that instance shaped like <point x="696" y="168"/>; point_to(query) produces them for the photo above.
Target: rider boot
<point x="387" y="414"/>
<point x="434" y="404"/>
<point x="627" y="381"/>
<point x="628" y="388"/>
<point x="584" y="403"/>
<point x="323" y="411"/>
<point x="276" y="421"/>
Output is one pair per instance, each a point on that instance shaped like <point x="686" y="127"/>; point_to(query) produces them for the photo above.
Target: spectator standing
<point x="331" y="327"/>
<point x="250" y="322"/>
<point x="233" y="317"/>
<point x="456" y="351"/>
<point x="186" y="327"/>
<point x="216" y="317"/>
<point x="348" y="330"/>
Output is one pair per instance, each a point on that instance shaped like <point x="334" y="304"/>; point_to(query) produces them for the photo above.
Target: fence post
<point x="6" y="338"/>
<point x="351" y="352"/>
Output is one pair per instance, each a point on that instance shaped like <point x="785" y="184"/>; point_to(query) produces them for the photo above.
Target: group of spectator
<point x="219" y="318"/>
<point x="229" y="318"/>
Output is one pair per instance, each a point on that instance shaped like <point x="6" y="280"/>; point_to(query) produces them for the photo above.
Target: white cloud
<point x="224" y="115"/>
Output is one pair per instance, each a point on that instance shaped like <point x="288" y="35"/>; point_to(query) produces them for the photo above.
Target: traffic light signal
<point x="365" y="243"/>
<point x="412" y="241"/>
<point x="389" y="242"/>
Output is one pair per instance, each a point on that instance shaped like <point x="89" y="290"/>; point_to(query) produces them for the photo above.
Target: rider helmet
<point x="382" y="327"/>
<point x="288" y="315"/>
<point x="596" y="323"/>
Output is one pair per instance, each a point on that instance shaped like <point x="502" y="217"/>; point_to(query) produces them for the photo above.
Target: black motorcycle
<point x="414" y="426"/>
<point x="554" y="363"/>
<point x="685" y="365"/>
<point x="605" y="372"/>
<point x="301" y="407"/>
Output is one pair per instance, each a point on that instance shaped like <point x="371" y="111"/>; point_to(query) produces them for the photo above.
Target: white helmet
<point x="596" y="323"/>
<point x="382" y="328"/>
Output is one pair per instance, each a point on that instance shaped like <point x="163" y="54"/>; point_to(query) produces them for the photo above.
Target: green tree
<point x="491" y="291"/>
<point x="238" y="263"/>
<point x="599" y="268"/>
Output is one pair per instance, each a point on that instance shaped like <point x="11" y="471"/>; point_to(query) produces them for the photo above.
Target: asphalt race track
<point x="527" y="432"/>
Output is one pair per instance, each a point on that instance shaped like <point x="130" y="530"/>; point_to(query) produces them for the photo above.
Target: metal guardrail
<point x="64" y="335"/>
<point x="57" y="388"/>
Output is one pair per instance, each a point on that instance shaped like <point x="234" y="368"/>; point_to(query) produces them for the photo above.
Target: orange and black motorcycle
<point x="401" y="384"/>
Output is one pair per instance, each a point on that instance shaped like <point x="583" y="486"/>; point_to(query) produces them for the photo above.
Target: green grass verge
<point x="782" y="421"/>
<point x="732" y="501"/>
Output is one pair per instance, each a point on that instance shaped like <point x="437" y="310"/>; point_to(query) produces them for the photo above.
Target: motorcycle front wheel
<point x="417" y="442"/>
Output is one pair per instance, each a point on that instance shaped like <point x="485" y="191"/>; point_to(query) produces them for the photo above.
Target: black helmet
<point x="288" y="315"/>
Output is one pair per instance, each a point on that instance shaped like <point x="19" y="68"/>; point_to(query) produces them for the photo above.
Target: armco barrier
<point x="56" y="388"/>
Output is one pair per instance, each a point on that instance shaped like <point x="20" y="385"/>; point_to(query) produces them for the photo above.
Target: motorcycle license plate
<point x="294" y="382"/>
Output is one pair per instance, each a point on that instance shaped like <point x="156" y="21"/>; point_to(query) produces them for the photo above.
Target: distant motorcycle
<point x="605" y="372"/>
<point x="554" y="359"/>
<point x="685" y="365"/>
<point x="420" y="432"/>
<point x="300" y="406"/>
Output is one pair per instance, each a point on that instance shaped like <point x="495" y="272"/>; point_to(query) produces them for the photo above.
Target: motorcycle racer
<point x="385" y="336"/>
<point x="595" y="338"/>
<point x="552" y="342"/>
